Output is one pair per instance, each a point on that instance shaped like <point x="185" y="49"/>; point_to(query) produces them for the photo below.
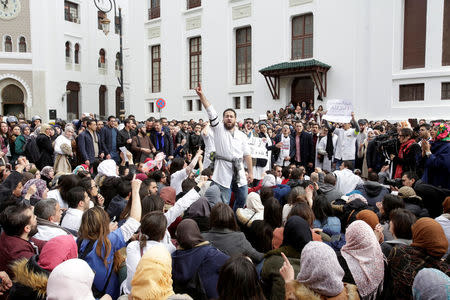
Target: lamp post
<point x="105" y="6"/>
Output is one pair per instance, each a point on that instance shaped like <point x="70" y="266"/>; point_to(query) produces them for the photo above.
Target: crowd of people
<point x="159" y="209"/>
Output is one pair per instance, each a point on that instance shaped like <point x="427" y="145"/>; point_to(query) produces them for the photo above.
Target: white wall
<point x="361" y="40"/>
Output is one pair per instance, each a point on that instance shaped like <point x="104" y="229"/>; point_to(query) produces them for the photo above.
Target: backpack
<point x="31" y="150"/>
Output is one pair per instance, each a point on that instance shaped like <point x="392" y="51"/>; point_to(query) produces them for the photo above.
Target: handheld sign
<point x="160" y="103"/>
<point x="339" y="111"/>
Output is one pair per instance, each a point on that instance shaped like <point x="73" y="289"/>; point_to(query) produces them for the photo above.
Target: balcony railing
<point x="154" y="13"/>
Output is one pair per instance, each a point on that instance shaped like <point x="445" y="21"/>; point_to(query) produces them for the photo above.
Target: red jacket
<point x="13" y="248"/>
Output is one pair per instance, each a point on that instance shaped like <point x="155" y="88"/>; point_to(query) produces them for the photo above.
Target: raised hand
<point x="286" y="271"/>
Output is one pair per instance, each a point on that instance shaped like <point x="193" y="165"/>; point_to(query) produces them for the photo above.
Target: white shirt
<point x="346" y="143"/>
<point x="209" y="147"/>
<point x="59" y="141"/>
<point x="72" y="219"/>
<point x="176" y="179"/>
<point x="133" y="258"/>
<point x="284" y="151"/>
<point x="229" y="144"/>
<point x="346" y="181"/>
<point x="55" y="194"/>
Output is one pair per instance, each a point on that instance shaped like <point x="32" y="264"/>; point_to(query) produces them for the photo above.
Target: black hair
<point x="13" y="219"/>
<point x="411" y="175"/>
<point x="111" y="117"/>
<point x="265" y="193"/>
<point x="322" y="208"/>
<point x="124" y="189"/>
<point x="187" y="185"/>
<point x="427" y="126"/>
<point x="402" y="220"/>
<point x="222" y="217"/>
<point x="90" y="121"/>
<point x="127" y="121"/>
<point x="76" y="195"/>
<point x="67" y="182"/>
<point x="153" y="228"/>
<point x="157" y="175"/>
<point x="348" y="164"/>
<point x="285" y="172"/>
<point x="229" y="109"/>
<point x="391" y="202"/>
<point x="238" y="279"/>
<point x="176" y="165"/>
<point x="152" y="203"/>
<point x="272" y="212"/>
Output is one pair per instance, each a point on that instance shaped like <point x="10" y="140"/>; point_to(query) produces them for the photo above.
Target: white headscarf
<point x="71" y="280"/>
<point x="254" y="202"/>
<point x="107" y="167"/>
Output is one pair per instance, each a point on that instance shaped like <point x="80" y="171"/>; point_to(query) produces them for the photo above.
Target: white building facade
<point x="68" y="65"/>
<point x="390" y="58"/>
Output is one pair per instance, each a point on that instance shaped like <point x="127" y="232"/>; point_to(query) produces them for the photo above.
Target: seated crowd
<point x="88" y="211"/>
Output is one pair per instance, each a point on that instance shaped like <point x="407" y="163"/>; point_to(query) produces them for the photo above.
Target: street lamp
<point x="106" y="6"/>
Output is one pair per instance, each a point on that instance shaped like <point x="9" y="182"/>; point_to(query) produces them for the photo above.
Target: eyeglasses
<point x="248" y="122"/>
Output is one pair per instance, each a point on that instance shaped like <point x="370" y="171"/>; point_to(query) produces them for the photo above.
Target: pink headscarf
<point x="326" y="281"/>
<point x="56" y="251"/>
<point x="364" y="258"/>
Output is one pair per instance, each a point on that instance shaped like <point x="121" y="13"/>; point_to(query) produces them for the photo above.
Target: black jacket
<point x="162" y="143"/>
<point x="106" y="136"/>
<point x="122" y="138"/>
<point x="306" y="148"/>
<point x="46" y="149"/>
<point x="86" y="146"/>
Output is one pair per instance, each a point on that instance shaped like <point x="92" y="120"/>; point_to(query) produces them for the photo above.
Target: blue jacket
<point x="280" y="192"/>
<point x="331" y="224"/>
<point x="106" y="136"/>
<point x="437" y="166"/>
<point x="86" y="146"/>
<point x="204" y="260"/>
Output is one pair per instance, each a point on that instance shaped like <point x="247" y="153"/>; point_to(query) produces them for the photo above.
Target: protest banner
<point x="258" y="147"/>
<point x="339" y="111"/>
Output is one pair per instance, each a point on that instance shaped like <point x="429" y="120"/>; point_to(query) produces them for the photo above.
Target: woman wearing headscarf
<point x="362" y="260"/>
<point x="326" y="148"/>
<point x="200" y="211"/>
<point x="11" y="190"/>
<point x="431" y="284"/>
<point x="15" y="133"/>
<point x="63" y="150"/>
<point x="254" y="210"/>
<point x="41" y="190"/>
<point x="22" y="139"/>
<point x="437" y="157"/>
<point x="429" y="245"/>
<point x="47" y="174"/>
<point x="315" y="282"/>
<point x="31" y="275"/>
<point x="362" y="152"/>
<point x="71" y="280"/>
<point x="195" y="261"/>
<point x="296" y="235"/>
<point x="44" y="144"/>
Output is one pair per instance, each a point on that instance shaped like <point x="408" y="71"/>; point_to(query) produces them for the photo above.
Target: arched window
<point x="22" y="44"/>
<point x="68" y="50"/>
<point x="76" y="55"/>
<point x="118" y="61"/>
<point x="8" y="44"/>
<point x="102" y="59"/>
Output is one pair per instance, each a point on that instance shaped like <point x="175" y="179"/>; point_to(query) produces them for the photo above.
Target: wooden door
<point x="302" y="90"/>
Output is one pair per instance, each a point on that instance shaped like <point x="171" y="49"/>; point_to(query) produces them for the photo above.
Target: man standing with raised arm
<point x="231" y="148"/>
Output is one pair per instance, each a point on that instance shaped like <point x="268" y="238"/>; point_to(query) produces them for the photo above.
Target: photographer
<point x="407" y="155"/>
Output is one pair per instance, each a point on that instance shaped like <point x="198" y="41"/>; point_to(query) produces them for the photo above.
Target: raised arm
<point x="193" y="162"/>
<point x="203" y="99"/>
<point x="136" y="208"/>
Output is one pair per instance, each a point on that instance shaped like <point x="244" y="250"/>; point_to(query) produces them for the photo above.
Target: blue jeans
<point x="240" y="194"/>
